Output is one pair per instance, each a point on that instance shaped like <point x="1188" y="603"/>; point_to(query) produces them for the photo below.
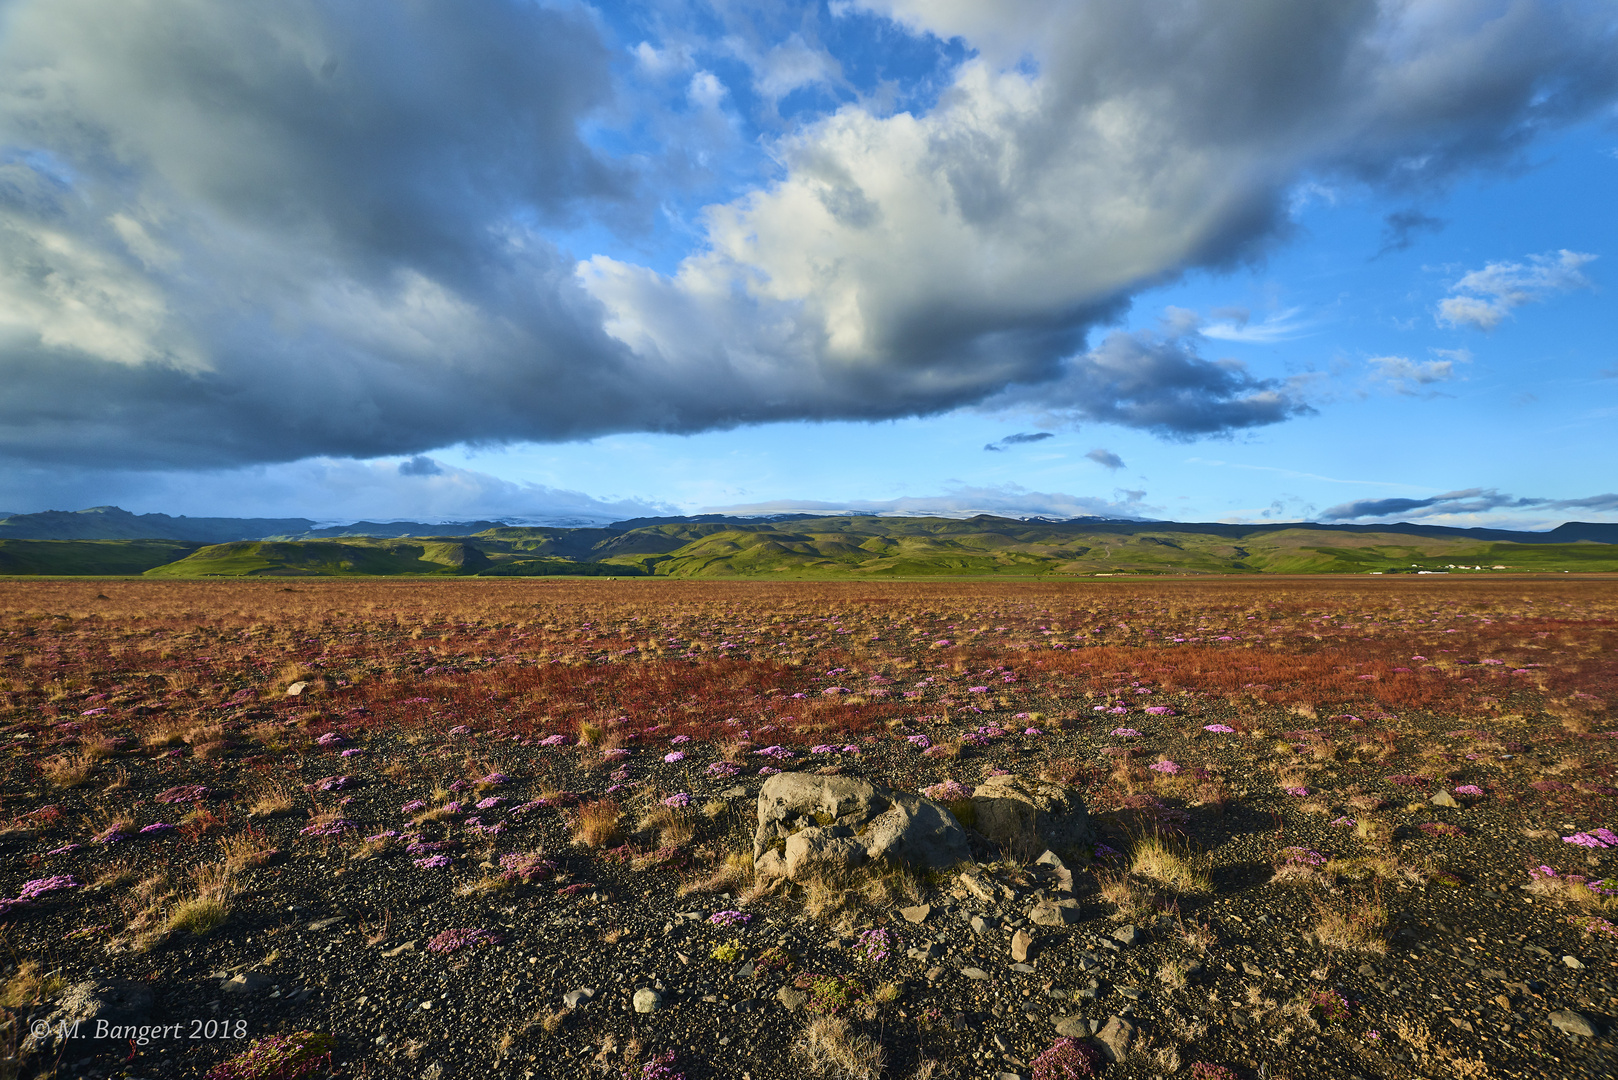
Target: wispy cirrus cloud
<point x="1468" y="501"/>
<point x="1022" y="438"/>
<point x="1484" y="298"/>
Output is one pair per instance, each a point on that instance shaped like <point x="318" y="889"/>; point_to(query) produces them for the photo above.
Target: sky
<point x="1194" y="260"/>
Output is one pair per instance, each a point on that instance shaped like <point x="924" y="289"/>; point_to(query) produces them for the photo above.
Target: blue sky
<point x="1239" y="261"/>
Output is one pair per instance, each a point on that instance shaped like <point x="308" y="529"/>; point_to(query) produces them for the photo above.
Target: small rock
<point x="647" y="1000"/>
<point x="400" y="950"/>
<point x="1026" y="969"/>
<point x="974" y="884"/>
<point x="1054" y="913"/>
<point x="1444" y="798"/>
<point x="931" y="952"/>
<point x="1127" y="935"/>
<point x="979" y="926"/>
<point x="1115" y="1037"/>
<point x="575" y="998"/>
<point x="1573" y="962"/>
<point x="1072" y="1027"/>
<point x="792" y="999"/>
<point x="1574" y="1023"/>
<point x="1129" y="992"/>
<point x="934" y="974"/>
<point x="1464" y="1025"/>
<point x="1007" y="1076"/>
<point x="248" y="982"/>
<point x="1502" y="1001"/>
<point x="1494" y="973"/>
<point x="326" y="924"/>
<point x="975" y="974"/>
<point x="1252" y="969"/>
<point x="916" y="914"/>
<point x="296" y="689"/>
<point x="733" y="792"/>
<point x="1021" y="946"/>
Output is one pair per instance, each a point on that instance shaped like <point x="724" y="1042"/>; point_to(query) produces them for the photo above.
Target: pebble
<point x="916" y="914"/>
<point x="1574" y="1023"/>
<point x="574" y="998"/>
<point x="1573" y="962"/>
<point x="1026" y="969"/>
<point x="647" y="1000"/>
<point x="1021" y="944"/>
<point x="1444" y="798"/>
<point x="975" y="974"/>
<point x="792" y="999"/>
<point x="979" y="927"/>
<point x="1127" y="935"/>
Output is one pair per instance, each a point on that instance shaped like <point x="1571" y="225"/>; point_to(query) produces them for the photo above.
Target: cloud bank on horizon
<point x="234" y="236"/>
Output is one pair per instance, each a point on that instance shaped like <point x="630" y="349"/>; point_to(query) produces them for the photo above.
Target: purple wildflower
<point x="730" y="918"/>
<point x="157" y="826"/>
<point x="674" y="756"/>
<point x="1167" y="768"/>
<point x="331" y="738"/>
<point x="455" y="940"/>
<point x="491" y="802"/>
<point x="678" y="801"/>
<point x="1219" y="729"/>
<point x="1125" y="733"/>
<point x="433" y="862"/>
<point x="412" y="807"/>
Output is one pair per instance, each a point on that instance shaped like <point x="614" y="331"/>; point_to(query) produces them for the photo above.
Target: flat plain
<point x="1348" y="827"/>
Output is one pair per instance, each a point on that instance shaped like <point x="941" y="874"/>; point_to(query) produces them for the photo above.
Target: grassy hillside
<point x="832" y="547"/>
<point x="89" y="556"/>
<point x="303" y="558"/>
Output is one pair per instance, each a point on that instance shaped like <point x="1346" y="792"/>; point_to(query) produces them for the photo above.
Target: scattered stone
<point x="1494" y="973"/>
<point x="84" y="1005"/>
<point x="326" y="924"/>
<point x="792" y="999"/>
<point x="296" y="689"/>
<point x="932" y="951"/>
<point x="1573" y="1023"/>
<point x="400" y="950"/>
<point x="974" y="885"/>
<point x="1129" y="992"/>
<point x="888" y="824"/>
<point x="1573" y="962"/>
<point x="1026" y="969"/>
<point x="1008" y="1076"/>
<point x="1054" y="913"/>
<point x="979" y="926"/>
<point x="647" y="1000"/>
<point x="1058" y="870"/>
<point x="1115" y="1037"/>
<point x="1127" y="935"/>
<point x="916" y="914"/>
<point x="1072" y="1027"/>
<point x="573" y="999"/>
<point x="736" y="792"/>
<point x="1502" y="1001"/>
<point x="1464" y="1025"/>
<point x="1444" y="798"/>
<point x="975" y="974"/>
<point x="248" y="982"/>
<point x="1022" y="945"/>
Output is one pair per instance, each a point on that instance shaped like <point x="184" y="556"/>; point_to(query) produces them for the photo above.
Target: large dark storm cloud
<point x="236" y="233"/>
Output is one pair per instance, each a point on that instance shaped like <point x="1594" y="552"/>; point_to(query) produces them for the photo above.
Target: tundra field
<point x="441" y="829"/>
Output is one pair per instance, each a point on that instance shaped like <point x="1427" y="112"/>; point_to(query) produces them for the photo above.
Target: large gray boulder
<point x="1029" y="815"/>
<point x="814" y="824"/>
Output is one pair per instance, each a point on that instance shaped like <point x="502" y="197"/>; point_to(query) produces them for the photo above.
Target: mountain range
<point x="108" y="540"/>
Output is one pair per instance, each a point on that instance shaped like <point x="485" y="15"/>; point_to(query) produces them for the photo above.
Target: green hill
<point x="829" y="547"/>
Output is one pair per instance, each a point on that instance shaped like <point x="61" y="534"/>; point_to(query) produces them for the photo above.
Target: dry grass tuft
<point x="1133" y="901"/>
<point x="831" y="1048"/>
<point x="1353" y="925"/>
<point x="68" y="772"/>
<point x="28" y="987"/>
<point x="1156" y="859"/>
<point x="597" y="824"/>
